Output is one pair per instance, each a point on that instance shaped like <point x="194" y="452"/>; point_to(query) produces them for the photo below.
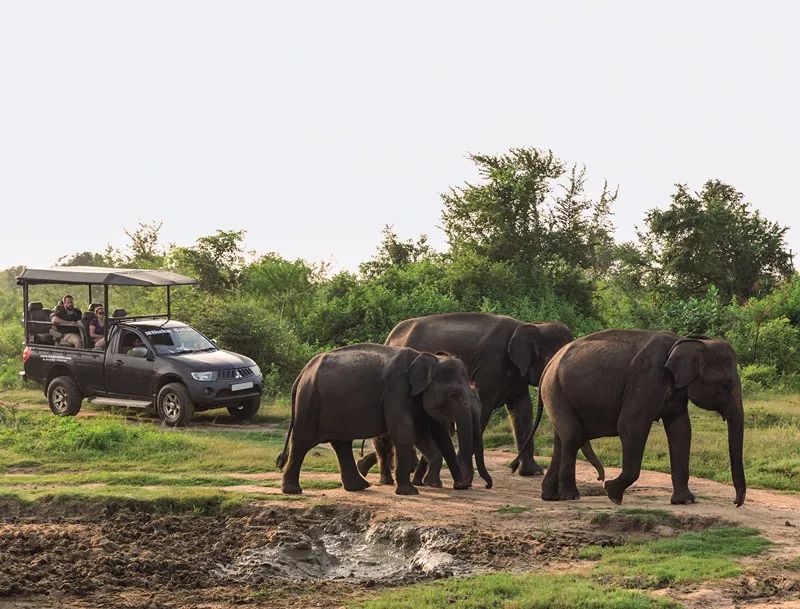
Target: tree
<point x="531" y="213"/>
<point x="216" y="260"/>
<point x="144" y="246"/>
<point x="286" y="285"/>
<point x="392" y="252"/>
<point x="713" y="237"/>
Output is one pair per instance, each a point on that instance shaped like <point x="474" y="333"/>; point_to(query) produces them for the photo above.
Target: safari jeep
<point x="148" y="360"/>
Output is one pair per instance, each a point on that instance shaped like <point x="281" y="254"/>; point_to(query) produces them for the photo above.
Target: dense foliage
<point x="526" y="240"/>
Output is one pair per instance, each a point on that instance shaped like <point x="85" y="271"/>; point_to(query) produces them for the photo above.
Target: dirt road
<point x="333" y="546"/>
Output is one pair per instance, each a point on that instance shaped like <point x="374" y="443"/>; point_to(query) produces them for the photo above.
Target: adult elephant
<point x="503" y="356"/>
<point x="617" y="382"/>
<point x="366" y="390"/>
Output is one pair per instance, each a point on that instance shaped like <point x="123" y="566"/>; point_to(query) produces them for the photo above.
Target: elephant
<point x="618" y="382"/>
<point x="503" y="356"/>
<point x="421" y="468"/>
<point x="367" y="390"/>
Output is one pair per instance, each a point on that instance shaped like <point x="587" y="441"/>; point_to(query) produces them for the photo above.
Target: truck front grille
<point x="236" y="373"/>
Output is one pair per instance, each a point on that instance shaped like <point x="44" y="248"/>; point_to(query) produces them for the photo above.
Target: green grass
<point x="166" y="500"/>
<point x="690" y="557"/>
<point x="112" y="442"/>
<point x="794" y="564"/>
<point x="503" y="591"/>
<point x="513" y="509"/>
<point x="644" y="518"/>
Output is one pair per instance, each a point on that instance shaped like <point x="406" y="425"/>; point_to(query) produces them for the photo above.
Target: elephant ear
<point x="685" y="361"/>
<point x="522" y="348"/>
<point x="421" y="372"/>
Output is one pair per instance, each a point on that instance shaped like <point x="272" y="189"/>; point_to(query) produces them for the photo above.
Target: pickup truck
<point x="149" y="360"/>
<point x="164" y="363"/>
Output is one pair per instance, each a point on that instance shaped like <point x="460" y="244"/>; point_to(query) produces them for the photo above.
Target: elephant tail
<point x="529" y="439"/>
<point x="280" y="462"/>
<point x="588" y="452"/>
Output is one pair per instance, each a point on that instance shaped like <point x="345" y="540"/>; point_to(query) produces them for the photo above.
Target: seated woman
<point x="96" y="327"/>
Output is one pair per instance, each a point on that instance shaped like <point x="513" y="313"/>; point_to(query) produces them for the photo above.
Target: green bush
<point x="247" y="327"/>
<point x="11" y="339"/>
<point x="758" y="377"/>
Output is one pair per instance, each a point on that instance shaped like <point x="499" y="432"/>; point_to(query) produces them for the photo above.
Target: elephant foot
<point x="355" y="485"/>
<point x="462" y="485"/>
<point x="417" y="481"/>
<point x="569" y="494"/>
<point x="682" y="497"/>
<point x="614" y="490"/>
<point x="432" y="481"/>
<point x="549" y="489"/>
<point x="406" y="489"/>
<point x="366" y="462"/>
<point x="530" y="468"/>
<point x="291" y="489"/>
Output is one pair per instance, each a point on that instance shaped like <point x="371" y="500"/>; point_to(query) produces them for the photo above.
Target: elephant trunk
<point x="478" y="441"/>
<point x="735" y="446"/>
<point x="466" y="447"/>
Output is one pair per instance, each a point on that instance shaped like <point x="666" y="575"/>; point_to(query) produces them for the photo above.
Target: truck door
<point x="128" y="376"/>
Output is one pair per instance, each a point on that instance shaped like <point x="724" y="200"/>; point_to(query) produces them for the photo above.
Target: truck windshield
<point x="168" y="341"/>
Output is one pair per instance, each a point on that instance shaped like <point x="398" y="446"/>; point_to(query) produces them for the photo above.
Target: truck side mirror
<point x="139" y="352"/>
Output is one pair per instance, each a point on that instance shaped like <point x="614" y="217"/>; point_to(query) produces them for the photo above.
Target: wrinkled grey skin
<point x="367" y="390"/>
<point x="617" y="382"/>
<point x="503" y="356"/>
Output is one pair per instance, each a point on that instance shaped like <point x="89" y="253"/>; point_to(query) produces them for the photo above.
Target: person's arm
<point x="58" y="321"/>
<point x="92" y="333"/>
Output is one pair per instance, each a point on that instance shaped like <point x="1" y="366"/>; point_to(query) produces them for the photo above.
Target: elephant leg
<point x="429" y="468"/>
<point x="571" y="442"/>
<point x="367" y="462"/>
<point x="633" y="435"/>
<point x="419" y="471"/>
<point x="351" y="478"/>
<point x="679" y="438"/>
<point x="401" y="433"/>
<point x="521" y="411"/>
<point x="290" y="484"/>
<point x="384" y="451"/>
<point x="550" y="481"/>
<point x="441" y="436"/>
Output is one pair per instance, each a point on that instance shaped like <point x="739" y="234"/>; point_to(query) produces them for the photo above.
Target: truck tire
<point x="246" y="410"/>
<point x="64" y="397"/>
<point x="174" y="405"/>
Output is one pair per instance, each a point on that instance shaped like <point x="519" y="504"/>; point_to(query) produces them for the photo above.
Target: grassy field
<point x="48" y="454"/>
<point x="119" y="454"/>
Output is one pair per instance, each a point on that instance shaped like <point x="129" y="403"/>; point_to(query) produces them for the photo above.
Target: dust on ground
<point x="336" y="547"/>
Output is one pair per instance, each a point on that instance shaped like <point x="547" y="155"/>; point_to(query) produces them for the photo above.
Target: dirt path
<point x="127" y="558"/>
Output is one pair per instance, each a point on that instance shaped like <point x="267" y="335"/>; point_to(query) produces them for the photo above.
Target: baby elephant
<point x="367" y="390"/>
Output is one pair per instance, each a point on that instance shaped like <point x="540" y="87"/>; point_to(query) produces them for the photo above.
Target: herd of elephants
<point x="457" y="368"/>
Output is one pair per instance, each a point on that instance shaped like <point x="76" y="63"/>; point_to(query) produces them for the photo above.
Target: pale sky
<point x="313" y="124"/>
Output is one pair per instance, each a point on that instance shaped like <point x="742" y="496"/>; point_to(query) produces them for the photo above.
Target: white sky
<point x="313" y="124"/>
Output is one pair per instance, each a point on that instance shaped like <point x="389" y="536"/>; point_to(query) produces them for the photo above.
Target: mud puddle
<point x="349" y="549"/>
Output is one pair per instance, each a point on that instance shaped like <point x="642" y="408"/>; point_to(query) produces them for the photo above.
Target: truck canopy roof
<point x="95" y="275"/>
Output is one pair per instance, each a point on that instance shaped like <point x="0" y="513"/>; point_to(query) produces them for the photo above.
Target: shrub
<point x="246" y="327"/>
<point x="758" y="377"/>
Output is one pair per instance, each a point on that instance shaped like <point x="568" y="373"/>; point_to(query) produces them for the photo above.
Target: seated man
<point x="137" y="342"/>
<point x="65" y="323"/>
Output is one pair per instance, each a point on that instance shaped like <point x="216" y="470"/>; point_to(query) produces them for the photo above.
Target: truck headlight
<point x="256" y="371"/>
<point x="205" y="376"/>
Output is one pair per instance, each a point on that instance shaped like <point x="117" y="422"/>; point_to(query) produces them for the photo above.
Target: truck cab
<point x="147" y="361"/>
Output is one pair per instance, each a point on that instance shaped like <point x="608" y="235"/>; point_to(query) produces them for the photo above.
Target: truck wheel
<point x="64" y="397"/>
<point x="246" y="410"/>
<point x="174" y="405"/>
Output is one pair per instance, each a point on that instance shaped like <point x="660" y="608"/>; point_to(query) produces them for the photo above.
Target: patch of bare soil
<point x="348" y="544"/>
